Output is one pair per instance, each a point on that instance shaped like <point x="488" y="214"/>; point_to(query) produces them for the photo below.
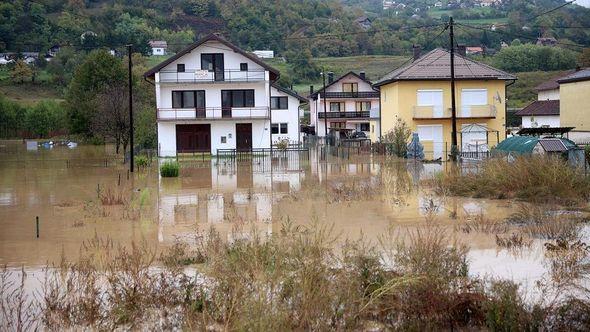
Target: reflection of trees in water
<point x="397" y="182"/>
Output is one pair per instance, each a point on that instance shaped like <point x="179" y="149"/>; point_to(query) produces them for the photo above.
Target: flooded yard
<point x="86" y="192"/>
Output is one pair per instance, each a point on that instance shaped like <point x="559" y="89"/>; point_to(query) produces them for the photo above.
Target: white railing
<point x="464" y="111"/>
<point x="205" y="76"/>
<point x="213" y="113"/>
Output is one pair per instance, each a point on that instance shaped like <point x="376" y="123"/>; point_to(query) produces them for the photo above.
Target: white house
<point x="264" y="54"/>
<point x="351" y="104"/>
<point x="544" y="112"/>
<point x="213" y="95"/>
<point x="284" y="104"/>
<point x="159" y="47"/>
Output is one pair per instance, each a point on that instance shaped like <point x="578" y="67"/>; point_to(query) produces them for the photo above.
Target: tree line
<point x="95" y="108"/>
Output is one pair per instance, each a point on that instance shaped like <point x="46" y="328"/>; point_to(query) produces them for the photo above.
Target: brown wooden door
<point x="243" y="136"/>
<point x="193" y="138"/>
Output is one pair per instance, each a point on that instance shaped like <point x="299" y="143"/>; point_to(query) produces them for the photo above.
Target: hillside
<point x="322" y="27"/>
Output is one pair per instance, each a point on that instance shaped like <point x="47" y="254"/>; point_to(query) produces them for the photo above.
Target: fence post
<point x="37" y="223"/>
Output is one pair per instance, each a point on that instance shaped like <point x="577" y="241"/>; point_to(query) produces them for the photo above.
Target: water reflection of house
<point x="212" y="194"/>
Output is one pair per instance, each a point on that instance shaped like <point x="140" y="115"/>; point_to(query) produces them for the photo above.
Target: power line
<point x="529" y="19"/>
<point x="518" y="36"/>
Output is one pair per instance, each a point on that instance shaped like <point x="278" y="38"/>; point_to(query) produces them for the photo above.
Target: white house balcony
<point x="206" y="76"/>
<point x="463" y="112"/>
<point x="356" y="94"/>
<point x="345" y="115"/>
<point x="212" y="113"/>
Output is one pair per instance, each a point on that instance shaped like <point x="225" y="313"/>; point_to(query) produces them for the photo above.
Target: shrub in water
<point x="169" y="169"/>
<point x="142" y="161"/>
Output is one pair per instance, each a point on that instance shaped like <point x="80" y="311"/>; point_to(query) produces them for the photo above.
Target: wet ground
<point x="356" y="196"/>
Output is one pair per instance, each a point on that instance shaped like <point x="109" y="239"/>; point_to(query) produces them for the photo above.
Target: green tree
<point x="21" y="72"/>
<point x="98" y="71"/>
<point x="398" y="137"/>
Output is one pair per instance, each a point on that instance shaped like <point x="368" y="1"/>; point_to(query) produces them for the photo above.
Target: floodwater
<point x="360" y="196"/>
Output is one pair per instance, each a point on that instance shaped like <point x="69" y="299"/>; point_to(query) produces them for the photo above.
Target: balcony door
<point x="431" y="99"/>
<point x="213" y="62"/>
<point x="470" y="99"/>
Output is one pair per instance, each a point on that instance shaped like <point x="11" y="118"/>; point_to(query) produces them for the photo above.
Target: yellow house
<point x="420" y="94"/>
<point x="574" y="95"/>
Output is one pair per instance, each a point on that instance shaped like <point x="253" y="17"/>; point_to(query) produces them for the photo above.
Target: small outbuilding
<point x="521" y="145"/>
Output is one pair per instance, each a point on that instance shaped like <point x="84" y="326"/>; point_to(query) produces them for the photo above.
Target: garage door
<point x="193" y="138"/>
<point x="432" y="136"/>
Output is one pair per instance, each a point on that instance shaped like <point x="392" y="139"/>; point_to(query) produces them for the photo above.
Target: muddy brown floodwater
<point x="363" y="196"/>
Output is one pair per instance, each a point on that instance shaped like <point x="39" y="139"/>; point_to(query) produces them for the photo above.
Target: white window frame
<point x="435" y="103"/>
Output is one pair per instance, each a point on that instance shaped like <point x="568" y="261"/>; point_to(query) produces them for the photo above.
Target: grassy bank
<point x="534" y="179"/>
<point x="294" y="280"/>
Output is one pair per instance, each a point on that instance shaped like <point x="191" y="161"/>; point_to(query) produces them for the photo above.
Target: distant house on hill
<point x="364" y="22"/>
<point x="474" y="50"/>
<point x="546" y="41"/>
<point x="159" y="47"/>
<point x="264" y="54"/>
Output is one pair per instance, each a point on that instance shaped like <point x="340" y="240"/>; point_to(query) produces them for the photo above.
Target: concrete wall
<point x="574" y="105"/>
<point x="548" y="95"/>
<point x="545" y="120"/>
<point x="227" y="129"/>
<point x="399" y="98"/>
<point x="289" y="116"/>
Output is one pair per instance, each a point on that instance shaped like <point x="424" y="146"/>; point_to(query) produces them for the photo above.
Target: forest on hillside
<point x="315" y="27"/>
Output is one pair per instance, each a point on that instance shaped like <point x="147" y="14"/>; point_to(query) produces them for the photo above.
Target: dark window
<point x="279" y="103"/>
<point x="188" y="99"/>
<point x="223" y="139"/>
<point x="284" y="128"/>
<point x="237" y="98"/>
<point x="243" y="66"/>
<point x="335" y="107"/>
<point x="274" y="128"/>
<point x="180" y="67"/>
<point x="364" y="126"/>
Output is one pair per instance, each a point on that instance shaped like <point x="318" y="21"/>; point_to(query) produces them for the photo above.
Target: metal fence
<point x="242" y="155"/>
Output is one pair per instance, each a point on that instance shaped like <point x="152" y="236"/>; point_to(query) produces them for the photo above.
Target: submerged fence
<point x="261" y="153"/>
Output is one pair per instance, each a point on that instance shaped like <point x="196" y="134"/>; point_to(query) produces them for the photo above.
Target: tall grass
<point x="533" y="178"/>
<point x="169" y="169"/>
<point x="294" y="280"/>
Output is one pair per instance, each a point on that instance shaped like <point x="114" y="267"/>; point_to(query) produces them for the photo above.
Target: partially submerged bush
<point x="537" y="222"/>
<point x="533" y="178"/>
<point x="169" y="169"/>
<point x="142" y="161"/>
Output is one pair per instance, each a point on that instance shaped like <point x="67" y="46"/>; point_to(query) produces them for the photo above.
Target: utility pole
<point x="454" y="149"/>
<point x="131" y="154"/>
<point x="325" y="112"/>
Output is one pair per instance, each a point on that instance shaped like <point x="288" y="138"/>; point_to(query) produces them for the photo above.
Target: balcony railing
<point x="344" y="115"/>
<point x="205" y="76"/>
<point x="464" y="111"/>
<point x="212" y="113"/>
<point x="431" y="112"/>
<point x="362" y="94"/>
<point x="477" y="111"/>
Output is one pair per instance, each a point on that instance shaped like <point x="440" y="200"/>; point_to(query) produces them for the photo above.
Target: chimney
<point x="311" y="90"/>
<point x="462" y="50"/>
<point x="362" y="75"/>
<point x="330" y="77"/>
<point x="416" y="49"/>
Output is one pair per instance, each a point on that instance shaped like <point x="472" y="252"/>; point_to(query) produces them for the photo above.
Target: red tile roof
<point x="540" y="107"/>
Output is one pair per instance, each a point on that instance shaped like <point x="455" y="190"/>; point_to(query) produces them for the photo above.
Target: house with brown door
<point x="213" y="95"/>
